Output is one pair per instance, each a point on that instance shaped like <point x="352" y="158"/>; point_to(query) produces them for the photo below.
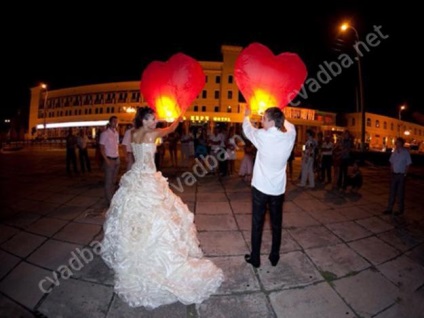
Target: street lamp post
<point x="44" y="86"/>
<point x="344" y="27"/>
<point x="400" y="111"/>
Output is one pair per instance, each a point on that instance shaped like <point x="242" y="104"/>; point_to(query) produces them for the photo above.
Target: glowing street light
<point x="44" y="86"/>
<point x="400" y="111"/>
<point x="344" y="27"/>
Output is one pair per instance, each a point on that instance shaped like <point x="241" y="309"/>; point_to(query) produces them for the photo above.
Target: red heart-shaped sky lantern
<point x="267" y="80"/>
<point x="170" y="87"/>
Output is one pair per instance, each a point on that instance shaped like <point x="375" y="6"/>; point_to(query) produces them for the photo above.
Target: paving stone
<point x="23" y="243"/>
<point x="312" y="205"/>
<point x="66" y="212"/>
<point x="53" y="254"/>
<point x="62" y="198"/>
<point x="241" y="207"/>
<point x="380" y="292"/>
<point x="293" y="270"/>
<point x="120" y="309"/>
<point x="213" y="208"/>
<point x="21" y="220"/>
<point x="375" y="224"/>
<point x="78" y="233"/>
<point x="187" y="196"/>
<point x="374" y="250"/>
<point x="354" y="213"/>
<point x="211" y="197"/>
<point x="7" y="261"/>
<point x="404" y="273"/>
<point x="337" y="260"/>
<point x="214" y="188"/>
<point x="235" y="185"/>
<point x="298" y="219"/>
<point x="399" y="239"/>
<point x="327" y="216"/>
<point x="246" y="305"/>
<point x="239" y="275"/>
<point x="374" y="208"/>
<point x="222" y="243"/>
<point x="239" y="196"/>
<point x="311" y="301"/>
<point x="92" y="216"/>
<point x="47" y="226"/>
<point x="207" y="222"/>
<point x="22" y="284"/>
<point x="94" y="270"/>
<point x="6" y="232"/>
<point x="291" y="206"/>
<point x="82" y="201"/>
<point x="348" y="231"/>
<point x="26" y="205"/>
<point x="417" y="254"/>
<point x="11" y="309"/>
<point x="314" y="236"/>
<point x="83" y="299"/>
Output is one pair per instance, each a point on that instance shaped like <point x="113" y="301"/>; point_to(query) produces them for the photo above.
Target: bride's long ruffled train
<point x="150" y="241"/>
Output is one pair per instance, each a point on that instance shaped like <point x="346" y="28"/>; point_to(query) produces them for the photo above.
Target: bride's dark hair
<point x="142" y="113"/>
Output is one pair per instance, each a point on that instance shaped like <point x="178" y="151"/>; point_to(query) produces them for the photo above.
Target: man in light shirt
<point x="274" y="143"/>
<point x="109" y="148"/>
<point x="400" y="160"/>
<point x="126" y="143"/>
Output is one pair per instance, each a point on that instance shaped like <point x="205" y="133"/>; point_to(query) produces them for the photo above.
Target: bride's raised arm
<point x="162" y="132"/>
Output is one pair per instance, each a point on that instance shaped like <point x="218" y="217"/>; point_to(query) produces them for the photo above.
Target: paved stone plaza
<point x="340" y="257"/>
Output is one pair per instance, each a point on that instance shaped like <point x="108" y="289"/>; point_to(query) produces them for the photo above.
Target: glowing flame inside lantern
<point x="167" y="108"/>
<point x="260" y="101"/>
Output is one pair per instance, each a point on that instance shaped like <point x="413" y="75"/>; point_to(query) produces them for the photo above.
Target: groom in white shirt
<point x="274" y="142"/>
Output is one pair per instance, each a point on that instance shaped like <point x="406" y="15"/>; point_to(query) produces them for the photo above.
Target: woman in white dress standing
<point x="150" y="239"/>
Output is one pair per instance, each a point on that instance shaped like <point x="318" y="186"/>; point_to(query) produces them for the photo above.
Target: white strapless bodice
<point x="144" y="155"/>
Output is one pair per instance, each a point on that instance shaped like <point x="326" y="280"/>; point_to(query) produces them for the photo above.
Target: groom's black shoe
<point x="249" y="260"/>
<point x="274" y="260"/>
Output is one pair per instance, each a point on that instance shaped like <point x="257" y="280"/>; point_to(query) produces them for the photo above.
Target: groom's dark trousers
<point x="260" y="201"/>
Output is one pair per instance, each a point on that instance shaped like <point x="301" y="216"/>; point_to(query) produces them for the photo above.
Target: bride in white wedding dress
<point x="150" y="239"/>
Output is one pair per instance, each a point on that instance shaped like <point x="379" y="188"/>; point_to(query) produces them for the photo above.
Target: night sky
<point x="74" y="46"/>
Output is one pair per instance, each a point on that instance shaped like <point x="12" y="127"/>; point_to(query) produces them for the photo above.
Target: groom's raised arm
<point x="249" y="131"/>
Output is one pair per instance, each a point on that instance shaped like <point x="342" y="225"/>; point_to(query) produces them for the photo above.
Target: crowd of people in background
<point x="73" y="143"/>
<point x="328" y="161"/>
<point x="325" y="159"/>
<point x="215" y="147"/>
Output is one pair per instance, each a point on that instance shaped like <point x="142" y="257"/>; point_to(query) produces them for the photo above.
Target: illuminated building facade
<point x="90" y="106"/>
<point x="382" y="131"/>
